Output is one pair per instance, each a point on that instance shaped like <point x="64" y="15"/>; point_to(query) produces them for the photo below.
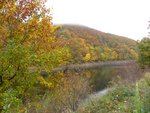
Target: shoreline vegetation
<point x="130" y="98"/>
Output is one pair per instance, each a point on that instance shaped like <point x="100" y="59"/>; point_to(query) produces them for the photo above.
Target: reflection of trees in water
<point x="104" y="72"/>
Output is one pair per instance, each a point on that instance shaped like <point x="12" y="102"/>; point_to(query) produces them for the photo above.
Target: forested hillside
<point x="87" y="44"/>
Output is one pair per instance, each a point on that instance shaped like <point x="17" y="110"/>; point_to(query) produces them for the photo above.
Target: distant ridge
<point x="86" y="27"/>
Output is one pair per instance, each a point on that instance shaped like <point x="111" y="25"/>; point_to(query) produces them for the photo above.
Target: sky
<point x="121" y="17"/>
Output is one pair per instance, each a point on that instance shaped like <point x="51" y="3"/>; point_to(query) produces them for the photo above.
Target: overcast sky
<point x="121" y="17"/>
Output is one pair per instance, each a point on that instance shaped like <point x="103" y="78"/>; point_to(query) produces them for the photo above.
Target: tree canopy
<point x="27" y="46"/>
<point x="144" y="51"/>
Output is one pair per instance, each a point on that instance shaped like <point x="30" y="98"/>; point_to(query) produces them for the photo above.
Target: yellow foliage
<point x="43" y="82"/>
<point x="87" y="57"/>
<point x="114" y="55"/>
<point x="134" y="54"/>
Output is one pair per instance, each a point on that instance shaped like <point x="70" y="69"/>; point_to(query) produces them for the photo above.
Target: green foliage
<point x="144" y="49"/>
<point x="146" y="95"/>
<point x="16" y="79"/>
<point x="10" y="101"/>
<point x="138" y="104"/>
<point x="15" y="60"/>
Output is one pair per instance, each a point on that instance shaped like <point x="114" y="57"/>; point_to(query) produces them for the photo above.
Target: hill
<point x="87" y="44"/>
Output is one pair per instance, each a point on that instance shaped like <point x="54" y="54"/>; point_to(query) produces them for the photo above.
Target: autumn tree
<point x="27" y="45"/>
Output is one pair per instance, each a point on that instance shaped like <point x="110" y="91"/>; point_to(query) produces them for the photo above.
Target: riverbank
<point x="124" y="98"/>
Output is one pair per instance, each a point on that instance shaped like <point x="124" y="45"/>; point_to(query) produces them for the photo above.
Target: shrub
<point x="68" y="94"/>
